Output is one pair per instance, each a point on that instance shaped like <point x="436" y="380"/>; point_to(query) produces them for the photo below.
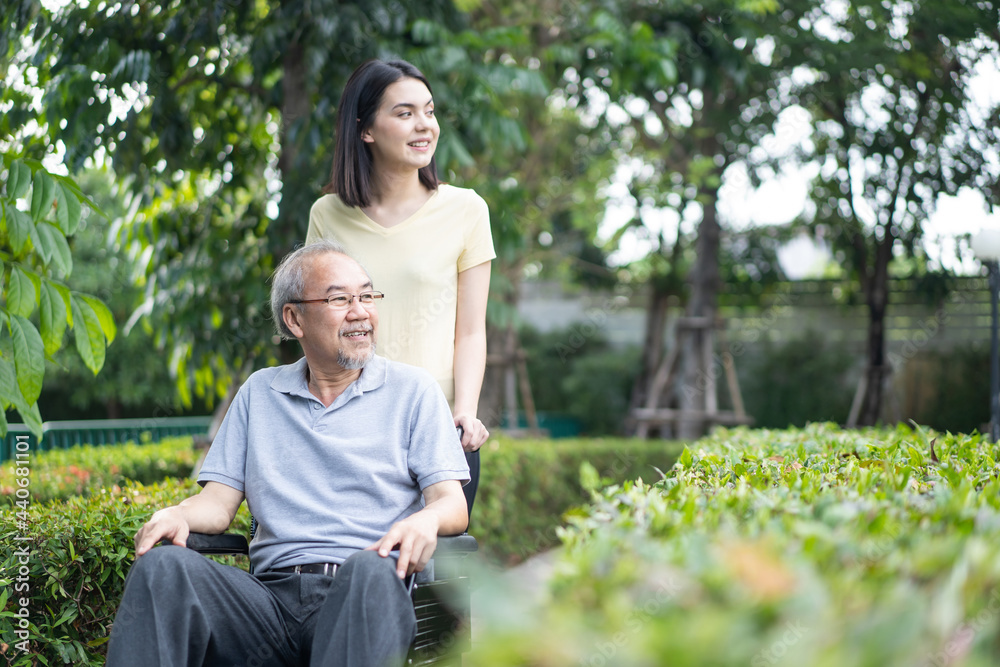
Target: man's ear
<point x="290" y="314"/>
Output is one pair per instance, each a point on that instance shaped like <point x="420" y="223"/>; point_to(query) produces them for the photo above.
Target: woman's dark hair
<point x="351" y="177"/>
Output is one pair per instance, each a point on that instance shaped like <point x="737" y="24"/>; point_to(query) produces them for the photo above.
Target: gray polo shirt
<point x="324" y="482"/>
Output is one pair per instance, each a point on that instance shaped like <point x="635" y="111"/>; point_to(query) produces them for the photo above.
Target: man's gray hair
<point x="288" y="282"/>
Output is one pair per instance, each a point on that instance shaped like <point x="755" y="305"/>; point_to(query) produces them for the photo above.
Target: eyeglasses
<point x="343" y="300"/>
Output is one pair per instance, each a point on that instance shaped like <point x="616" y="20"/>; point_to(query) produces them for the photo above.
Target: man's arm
<point x="445" y="513"/>
<point x="211" y="511"/>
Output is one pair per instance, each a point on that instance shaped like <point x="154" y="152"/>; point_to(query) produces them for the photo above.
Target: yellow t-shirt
<point x="416" y="263"/>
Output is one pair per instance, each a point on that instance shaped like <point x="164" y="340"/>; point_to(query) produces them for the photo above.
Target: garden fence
<point x="65" y="434"/>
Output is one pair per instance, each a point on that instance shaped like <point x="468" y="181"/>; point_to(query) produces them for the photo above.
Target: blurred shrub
<point x="794" y="383"/>
<point x="812" y="546"/>
<point x="527" y="485"/>
<point x="574" y="371"/>
<point x="949" y="391"/>
<point x="63" y="473"/>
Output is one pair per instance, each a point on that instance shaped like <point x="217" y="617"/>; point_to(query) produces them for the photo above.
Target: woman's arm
<point x="470" y="352"/>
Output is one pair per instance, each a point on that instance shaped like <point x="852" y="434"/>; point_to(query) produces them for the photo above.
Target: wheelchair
<point x="441" y="594"/>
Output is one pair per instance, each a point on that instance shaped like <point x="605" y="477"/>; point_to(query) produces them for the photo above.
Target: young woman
<point x="426" y="244"/>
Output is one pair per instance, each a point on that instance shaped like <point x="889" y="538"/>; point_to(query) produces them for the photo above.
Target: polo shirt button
<point x="315" y="406"/>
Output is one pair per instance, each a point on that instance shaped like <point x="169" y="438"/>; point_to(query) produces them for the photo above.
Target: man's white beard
<point x="356" y="362"/>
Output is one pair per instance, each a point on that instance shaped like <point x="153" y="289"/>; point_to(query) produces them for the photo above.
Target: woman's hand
<point x="474" y="433"/>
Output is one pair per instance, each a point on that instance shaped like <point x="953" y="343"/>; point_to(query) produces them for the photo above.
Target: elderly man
<point x="352" y="468"/>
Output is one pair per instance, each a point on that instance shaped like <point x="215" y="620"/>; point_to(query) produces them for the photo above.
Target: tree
<point x="894" y="127"/>
<point x="36" y="261"/>
<point x="219" y="115"/>
<point x="544" y="194"/>
<point x="135" y="381"/>
<point x="682" y="118"/>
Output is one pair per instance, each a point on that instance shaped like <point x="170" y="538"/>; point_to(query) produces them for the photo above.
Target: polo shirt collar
<point x="291" y="379"/>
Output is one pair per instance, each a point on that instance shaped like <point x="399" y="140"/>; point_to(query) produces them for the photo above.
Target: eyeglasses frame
<point x="376" y="295"/>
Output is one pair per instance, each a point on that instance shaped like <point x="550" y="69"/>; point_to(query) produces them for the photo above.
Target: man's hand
<point x="166" y="523"/>
<point x="211" y="511"/>
<point x="444" y="513"/>
<point x="474" y="433"/>
<point x="416" y="539"/>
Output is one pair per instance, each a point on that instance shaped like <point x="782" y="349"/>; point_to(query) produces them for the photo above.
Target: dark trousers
<point x="182" y="609"/>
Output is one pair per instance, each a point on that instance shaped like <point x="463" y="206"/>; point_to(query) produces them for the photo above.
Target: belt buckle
<point x="329" y="569"/>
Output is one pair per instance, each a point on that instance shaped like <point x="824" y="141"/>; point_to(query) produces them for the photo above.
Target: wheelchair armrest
<point x="456" y="545"/>
<point x="222" y="544"/>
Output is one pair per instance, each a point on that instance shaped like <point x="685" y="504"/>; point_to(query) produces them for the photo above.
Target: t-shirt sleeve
<point x="478" y="237"/>
<point x="435" y="452"/>
<point x="320" y="221"/>
<point x="227" y="457"/>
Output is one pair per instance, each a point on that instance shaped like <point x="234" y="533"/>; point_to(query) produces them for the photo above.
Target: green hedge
<point x="59" y="474"/>
<point x="81" y="549"/>
<point x="811" y="546"/>
<point x="527" y="485"/>
<point x="78" y="553"/>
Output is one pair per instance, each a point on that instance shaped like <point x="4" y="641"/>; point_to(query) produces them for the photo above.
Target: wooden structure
<point x="663" y="411"/>
<point x="512" y="362"/>
<point x="891" y="407"/>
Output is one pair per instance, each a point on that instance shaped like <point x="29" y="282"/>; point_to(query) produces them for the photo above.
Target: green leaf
<point x="88" y="333"/>
<point x="42" y="248"/>
<point x="65" y="294"/>
<point x="21" y="295"/>
<point x="19" y="226"/>
<point x="29" y="357"/>
<point x="8" y="383"/>
<point x="590" y="479"/>
<point x="104" y="316"/>
<point x="73" y="210"/>
<point x="686" y="458"/>
<point x="53" y="316"/>
<point x="54" y="242"/>
<point x="62" y="215"/>
<point x="81" y="198"/>
<point x="68" y="614"/>
<point x="18" y="179"/>
<point x="42" y="195"/>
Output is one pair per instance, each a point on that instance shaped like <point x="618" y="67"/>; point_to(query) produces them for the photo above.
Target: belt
<point x="328" y="569"/>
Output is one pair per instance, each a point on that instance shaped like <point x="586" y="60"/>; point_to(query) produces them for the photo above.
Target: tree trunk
<point x="493" y="398"/>
<point x="113" y="407"/>
<point x="286" y="232"/>
<point x="876" y="370"/>
<point x="294" y="107"/>
<point x="704" y="282"/>
<point x="652" y="348"/>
